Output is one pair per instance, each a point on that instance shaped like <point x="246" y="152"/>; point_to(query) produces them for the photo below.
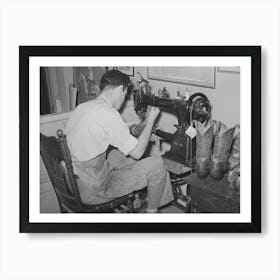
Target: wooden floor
<point x="166" y="209"/>
<point x="171" y="209"/>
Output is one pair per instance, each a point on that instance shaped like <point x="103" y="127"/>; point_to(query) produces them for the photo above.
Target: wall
<point x="224" y="98"/>
<point x="68" y="79"/>
<point x="65" y="78"/>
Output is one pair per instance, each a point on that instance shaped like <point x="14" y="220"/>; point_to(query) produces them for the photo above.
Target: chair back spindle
<point x="56" y="157"/>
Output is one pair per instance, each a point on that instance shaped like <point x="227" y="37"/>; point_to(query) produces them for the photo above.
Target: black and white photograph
<point x="161" y="142"/>
<point x="163" y="145"/>
<point x="139" y="140"/>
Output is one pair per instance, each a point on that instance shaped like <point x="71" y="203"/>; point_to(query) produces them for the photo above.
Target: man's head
<point x="114" y="84"/>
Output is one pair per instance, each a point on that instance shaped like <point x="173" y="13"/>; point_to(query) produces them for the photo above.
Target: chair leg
<point x="130" y="206"/>
<point x="62" y="210"/>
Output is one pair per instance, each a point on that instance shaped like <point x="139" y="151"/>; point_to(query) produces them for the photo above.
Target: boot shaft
<point x="204" y="140"/>
<point x="234" y="160"/>
<point x="221" y="150"/>
<point x="234" y="155"/>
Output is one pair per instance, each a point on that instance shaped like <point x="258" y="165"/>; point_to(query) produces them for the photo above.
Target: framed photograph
<point x="126" y="70"/>
<point x="169" y="187"/>
<point x="197" y="76"/>
<point x="229" y="69"/>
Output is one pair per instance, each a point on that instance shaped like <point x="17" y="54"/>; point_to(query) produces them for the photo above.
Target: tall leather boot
<point x="221" y="149"/>
<point x="204" y="140"/>
<point x="234" y="160"/>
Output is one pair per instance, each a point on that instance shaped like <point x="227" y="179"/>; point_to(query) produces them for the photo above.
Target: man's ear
<point x="120" y="87"/>
<point x="107" y="87"/>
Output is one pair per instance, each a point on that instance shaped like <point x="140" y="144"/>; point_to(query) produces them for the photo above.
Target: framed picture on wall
<point x="235" y="69"/>
<point x="126" y="70"/>
<point x="197" y="76"/>
<point x="193" y="167"/>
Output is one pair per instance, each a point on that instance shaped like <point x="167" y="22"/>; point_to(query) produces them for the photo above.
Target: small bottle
<point x="183" y="95"/>
<point x="187" y="94"/>
<point x="164" y="93"/>
<point x="178" y="93"/>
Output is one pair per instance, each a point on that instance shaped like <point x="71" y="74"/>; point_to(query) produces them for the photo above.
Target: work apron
<point x="107" y="177"/>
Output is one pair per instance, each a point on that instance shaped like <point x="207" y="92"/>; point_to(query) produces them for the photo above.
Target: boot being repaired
<point x="221" y="149"/>
<point x="204" y="139"/>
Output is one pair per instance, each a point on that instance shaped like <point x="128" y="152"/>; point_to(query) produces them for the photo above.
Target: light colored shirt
<point x="93" y="126"/>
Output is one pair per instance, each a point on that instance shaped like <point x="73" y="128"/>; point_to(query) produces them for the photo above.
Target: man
<point x="97" y="124"/>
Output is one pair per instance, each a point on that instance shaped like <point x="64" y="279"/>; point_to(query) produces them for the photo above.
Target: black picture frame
<point x="254" y="52"/>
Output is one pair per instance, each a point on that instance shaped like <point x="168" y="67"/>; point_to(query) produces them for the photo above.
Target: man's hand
<point x="152" y="114"/>
<point x="154" y="138"/>
<point x="144" y="137"/>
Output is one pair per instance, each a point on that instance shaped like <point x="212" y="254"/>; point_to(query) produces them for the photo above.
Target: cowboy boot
<point x="234" y="159"/>
<point x="222" y="145"/>
<point x="204" y="139"/>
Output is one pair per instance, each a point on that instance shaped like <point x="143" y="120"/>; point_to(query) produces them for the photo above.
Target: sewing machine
<point x="197" y="107"/>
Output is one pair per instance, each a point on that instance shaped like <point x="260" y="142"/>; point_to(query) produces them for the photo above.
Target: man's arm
<point x="137" y="129"/>
<point x="144" y="138"/>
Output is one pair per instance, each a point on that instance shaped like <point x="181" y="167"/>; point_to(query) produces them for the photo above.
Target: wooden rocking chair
<point x="56" y="157"/>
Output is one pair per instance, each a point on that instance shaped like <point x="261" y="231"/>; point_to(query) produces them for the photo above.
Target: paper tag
<point x="191" y="132"/>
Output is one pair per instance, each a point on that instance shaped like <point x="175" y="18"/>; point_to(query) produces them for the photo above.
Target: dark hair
<point x="115" y="78"/>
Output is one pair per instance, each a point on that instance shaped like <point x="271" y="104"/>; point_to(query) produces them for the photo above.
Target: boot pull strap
<point x="217" y="126"/>
<point x="236" y="131"/>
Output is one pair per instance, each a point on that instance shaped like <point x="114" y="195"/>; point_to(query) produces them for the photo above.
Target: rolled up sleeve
<point x="130" y="144"/>
<point x="119" y="135"/>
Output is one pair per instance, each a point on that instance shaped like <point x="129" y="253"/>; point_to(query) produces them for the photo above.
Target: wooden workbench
<point x="212" y="196"/>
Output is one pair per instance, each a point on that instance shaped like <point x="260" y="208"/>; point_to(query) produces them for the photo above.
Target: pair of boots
<point x="213" y="144"/>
